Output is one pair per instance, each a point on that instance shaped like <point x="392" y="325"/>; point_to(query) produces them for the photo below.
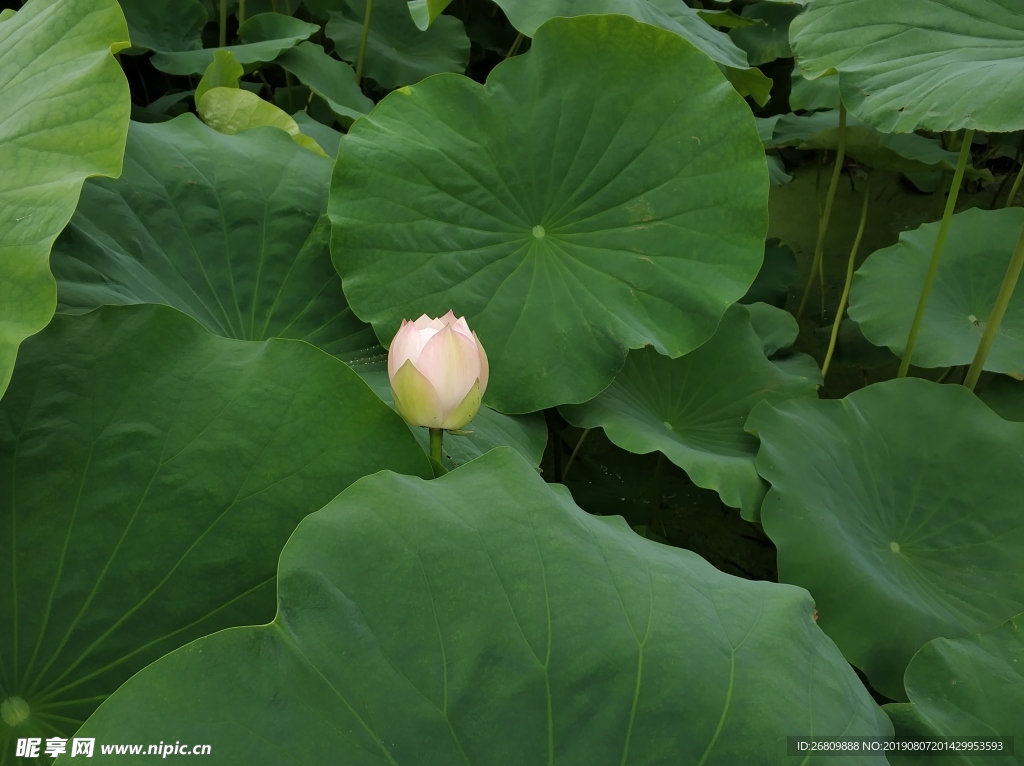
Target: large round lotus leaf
<point x="484" y="618"/>
<point x="397" y="52"/>
<point x="230" y="230"/>
<point x="919" y="64"/>
<point x="151" y="473"/>
<point x="63" y="117"/>
<point x="965" y="687"/>
<point x="528" y="15"/>
<point x="898" y="508"/>
<point x="568" y="213"/>
<point x="263" y="38"/>
<point x="693" y="409"/>
<point x="973" y="265"/>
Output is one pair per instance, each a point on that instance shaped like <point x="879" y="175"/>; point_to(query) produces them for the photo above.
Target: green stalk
<point x="362" y="42"/>
<point x="514" y="48"/>
<point x="436" y="437"/>
<point x="223" y="23"/>
<point x="1016" y="187"/>
<point x="241" y="12"/>
<point x="659" y="470"/>
<point x="988" y="337"/>
<point x="848" y="282"/>
<point x="940" y="243"/>
<point x="819" y="247"/>
<point x="575" y="452"/>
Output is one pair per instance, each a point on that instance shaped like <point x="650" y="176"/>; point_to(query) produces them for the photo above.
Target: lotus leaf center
<point x="14" y="711"/>
<point x="894" y="547"/>
<point x="538" y="231"/>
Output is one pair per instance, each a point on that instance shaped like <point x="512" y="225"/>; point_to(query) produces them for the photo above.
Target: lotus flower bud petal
<point x="415" y="399"/>
<point x="466" y="410"/>
<point x="438" y="371"/>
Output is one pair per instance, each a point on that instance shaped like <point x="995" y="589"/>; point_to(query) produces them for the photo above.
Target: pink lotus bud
<point x="438" y="372"/>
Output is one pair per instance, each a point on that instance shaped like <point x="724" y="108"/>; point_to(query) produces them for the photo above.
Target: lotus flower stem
<point x="988" y="336"/>
<point x="436" y="438"/>
<point x="1016" y="187"/>
<point x="362" y="42"/>
<point x="819" y="247"/>
<point x="223" y="39"/>
<point x="940" y="243"/>
<point x="849" y="280"/>
<point x="241" y="12"/>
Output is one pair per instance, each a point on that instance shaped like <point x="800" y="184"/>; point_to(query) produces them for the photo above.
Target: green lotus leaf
<point x="484" y="618"/>
<point x="567" y="213"/>
<point x="328" y="138"/>
<point x="228" y="229"/>
<point x="224" y="72"/>
<point x="778" y="272"/>
<point x="974" y="262"/>
<point x="397" y="51"/>
<point x="332" y="80"/>
<point x="728" y="19"/>
<point x="777" y="171"/>
<point x="692" y="409"/>
<point x="233" y="110"/>
<point x="812" y="95"/>
<point x="165" y="25"/>
<point x="231" y="230"/>
<point x="776" y="328"/>
<point x="898" y="508"/>
<point x="529" y="15"/>
<point x="1005" y="396"/>
<point x="154" y="471"/>
<point x="919" y="64"/>
<point x="769" y="40"/>
<point x="906" y="153"/>
<point x="425" y="12"/>
<point x="965" y="687"/>
<point x="64" y="109"/>
<point x="264" y="37"/>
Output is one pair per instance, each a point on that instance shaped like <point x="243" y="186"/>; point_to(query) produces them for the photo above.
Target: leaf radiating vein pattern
<point x="483" y="618"/>
<point x="567" y="213"/>
<point x="154" y="471"/>
<point x="64" y="108"/>
<point x="904" y="526"/>
<point x="693" y="409"/>
<point x="229" y="229"/>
